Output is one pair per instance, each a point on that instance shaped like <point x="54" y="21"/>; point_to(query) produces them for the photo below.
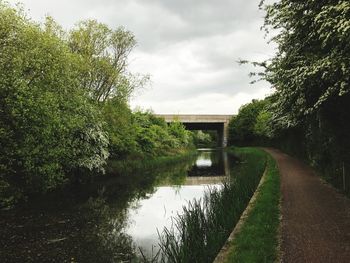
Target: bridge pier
<point x="223" y="135"/>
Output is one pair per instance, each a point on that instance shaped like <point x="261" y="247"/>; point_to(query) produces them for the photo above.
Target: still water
<point x="118" y="222"/>
<point x="150" y="215"/>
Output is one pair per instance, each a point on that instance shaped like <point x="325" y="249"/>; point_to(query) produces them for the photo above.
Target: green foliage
<point x="120" y="128"/>
<point x="308" y="113"/>
<point x="262" y="127"/>
<point x="199" y="233"/>
<point x="104" y="56"/>
<point x="154" y="136"/>
<point x="245" y="128"/>
<point x="310" y="73"/>
<point x="311" y="69"/>
<point x="48" y="126"/>
<point x="200" y="138"/>
<point x="177" y="131"/>
<point x="64" y="105"/>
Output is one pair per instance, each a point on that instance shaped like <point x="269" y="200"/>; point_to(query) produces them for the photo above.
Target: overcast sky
<point x="190" y="48"/>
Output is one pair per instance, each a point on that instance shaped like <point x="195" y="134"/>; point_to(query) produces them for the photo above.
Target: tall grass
<point x="199" y="232"/>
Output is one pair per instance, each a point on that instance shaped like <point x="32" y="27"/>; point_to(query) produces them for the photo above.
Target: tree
<point x="311" y="76"/>
<point x="311" y="68"/>
<point x="64" y="105"/>
<point x="104" y="58"/>
<point x="262" y="125"/>
<point x="48" y="127"/>
<point x="181" y="136"/>
<point x="242" y="127"/>
<point x="120" y="126"/>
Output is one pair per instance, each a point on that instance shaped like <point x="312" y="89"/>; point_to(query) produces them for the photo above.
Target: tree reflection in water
<point x="89" y="225"/>
<point x="102" y="236"/>
<point x="103" y="219"/>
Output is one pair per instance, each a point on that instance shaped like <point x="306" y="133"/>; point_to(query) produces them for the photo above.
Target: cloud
<point x="210" y="103"/>
<point x="189" y="47"/>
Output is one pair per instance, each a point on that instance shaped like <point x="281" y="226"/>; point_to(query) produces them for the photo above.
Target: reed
<point x="199" y="232"/>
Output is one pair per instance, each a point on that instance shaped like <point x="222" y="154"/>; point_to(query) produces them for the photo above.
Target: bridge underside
<point x="213" y="126"/>
<point x="203" y="122"/>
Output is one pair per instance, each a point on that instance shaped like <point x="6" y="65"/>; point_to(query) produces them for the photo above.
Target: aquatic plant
<point x="199" y="232"/>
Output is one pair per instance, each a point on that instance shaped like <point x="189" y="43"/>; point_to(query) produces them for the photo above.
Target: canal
<point x="118" y="220"/>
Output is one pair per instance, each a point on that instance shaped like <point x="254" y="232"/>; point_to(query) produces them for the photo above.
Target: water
<point x="150" y="215"/>
<point x="114" y="223"/>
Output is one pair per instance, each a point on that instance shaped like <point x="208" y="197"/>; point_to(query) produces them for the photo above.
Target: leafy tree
<point x="104" y="56"/>
<point x="119" y="124"/>
<point x="310" y="73"/>
<point x="311" y="68"/>
<point x="205" y="138"/>
<point x="156" y="137"/>
<point x="64" y="105"/>
<point x="149" y="131"/>
<point x="48" y="128"/>
<point x="242" y="127"/>
<point x="262" y="125"/>
<point x="177" y="130"/>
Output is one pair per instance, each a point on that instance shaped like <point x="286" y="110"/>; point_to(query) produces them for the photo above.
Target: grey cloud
<point x="202" y="18"/>
<point x="189" y="47"/>
<point x="156" y="23"/>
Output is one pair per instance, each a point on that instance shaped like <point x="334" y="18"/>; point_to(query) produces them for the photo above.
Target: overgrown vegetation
<point x="199" y="233"/>
<point x="95" y="216"/>
<point x="205" y="139"/>
<point x="257" y="241"/>
<point x="248" y="126"/>
<point x="308" y="113"/>
<point x="129" y="166"/>
<point x="64" y="105"/>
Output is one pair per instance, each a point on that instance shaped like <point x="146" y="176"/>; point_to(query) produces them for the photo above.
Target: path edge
<point x="279" y="252"/>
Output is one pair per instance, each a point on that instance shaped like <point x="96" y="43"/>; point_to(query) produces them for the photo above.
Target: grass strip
<point x="257" y="240"/>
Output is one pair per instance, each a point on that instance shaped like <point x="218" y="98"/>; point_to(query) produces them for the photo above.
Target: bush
<point x="48" y="126"/>
<point x="246" y="128"/>
<point x="120" y="127"/>
<point x="155" y="137"/>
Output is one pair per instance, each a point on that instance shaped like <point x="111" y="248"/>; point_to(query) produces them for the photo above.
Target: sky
<point x="190" y="48"/>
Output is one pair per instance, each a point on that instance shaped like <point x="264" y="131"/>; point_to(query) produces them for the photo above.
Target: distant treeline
<point x="309" y="112"/>
<point x="64" y="105"/>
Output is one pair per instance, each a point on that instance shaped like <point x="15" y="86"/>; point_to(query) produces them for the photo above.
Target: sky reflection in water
<point x="157" y="210"/>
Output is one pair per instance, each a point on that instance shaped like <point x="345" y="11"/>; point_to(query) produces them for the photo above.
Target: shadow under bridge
<point x="203" y="122"/>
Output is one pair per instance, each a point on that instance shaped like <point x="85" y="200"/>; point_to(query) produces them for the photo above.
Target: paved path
<point x="315" y="217"/>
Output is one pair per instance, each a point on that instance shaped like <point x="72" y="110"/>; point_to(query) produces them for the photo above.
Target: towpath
<point x="315" y="217"/>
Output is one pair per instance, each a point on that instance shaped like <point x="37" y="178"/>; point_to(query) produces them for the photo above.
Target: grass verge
<point x="201" y="230"/>
<point x="257" y="241"/>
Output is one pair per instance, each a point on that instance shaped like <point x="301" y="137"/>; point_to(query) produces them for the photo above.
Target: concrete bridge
<point x="203" y="122"/>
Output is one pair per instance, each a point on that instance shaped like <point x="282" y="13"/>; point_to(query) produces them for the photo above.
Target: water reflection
<point x="210" y="162"/>
<point x="102" y="237"/>
<point x="157" y="211"/>
<point x="115" y="224"/>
